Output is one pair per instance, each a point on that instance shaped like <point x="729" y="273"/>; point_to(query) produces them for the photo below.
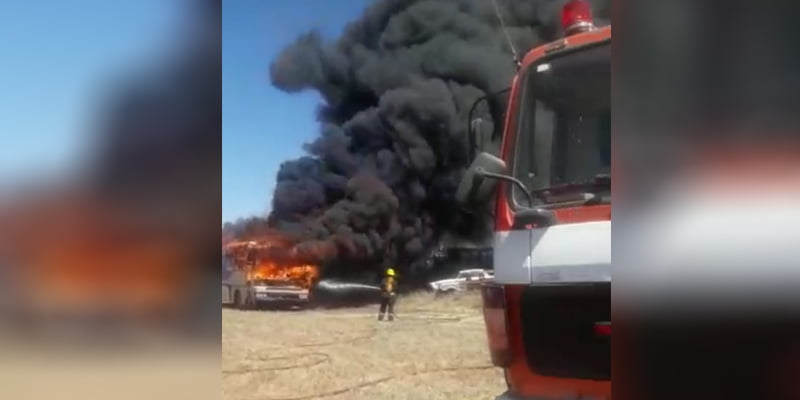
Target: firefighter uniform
<point x="388" y="286"/>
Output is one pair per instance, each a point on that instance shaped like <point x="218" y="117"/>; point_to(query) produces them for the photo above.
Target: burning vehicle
<point x="262" y="272"/>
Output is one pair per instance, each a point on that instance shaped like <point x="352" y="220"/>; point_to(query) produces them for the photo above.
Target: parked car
<point x="465" y="280"/>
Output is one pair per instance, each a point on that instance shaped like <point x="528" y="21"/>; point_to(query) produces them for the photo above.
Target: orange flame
<point x="272" y="259"/>
<point x="81" y="255"/>
<point x="303" y="275"/>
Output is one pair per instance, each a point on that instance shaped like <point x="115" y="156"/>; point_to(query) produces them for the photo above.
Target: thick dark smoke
<point x="397" y="86"/>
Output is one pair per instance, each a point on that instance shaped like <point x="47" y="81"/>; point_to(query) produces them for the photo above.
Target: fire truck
<point x="250" y="278"/>
<point x="547" y="312"/>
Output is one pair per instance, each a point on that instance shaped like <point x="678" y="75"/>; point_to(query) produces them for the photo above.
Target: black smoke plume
<point x="378" y="184"/>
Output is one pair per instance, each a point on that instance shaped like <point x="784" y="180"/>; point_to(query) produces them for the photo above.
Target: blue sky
<point x="263" y="126"/>
<point x="58" y="58"/>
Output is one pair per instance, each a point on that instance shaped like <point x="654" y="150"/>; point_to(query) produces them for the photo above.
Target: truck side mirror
<point x="481" y="178"/>
<point x="474" y="188"/>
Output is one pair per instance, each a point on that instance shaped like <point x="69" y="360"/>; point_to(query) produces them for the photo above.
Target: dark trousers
<point x="387" y="304"/>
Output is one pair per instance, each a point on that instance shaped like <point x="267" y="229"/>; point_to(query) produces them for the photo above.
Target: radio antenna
<point x="517" y="61"/>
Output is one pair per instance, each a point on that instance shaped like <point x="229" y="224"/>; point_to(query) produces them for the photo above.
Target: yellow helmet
<point x="390" y="272"/>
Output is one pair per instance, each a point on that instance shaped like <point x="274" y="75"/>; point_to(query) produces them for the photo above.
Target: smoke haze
<point x="397" y="86"/>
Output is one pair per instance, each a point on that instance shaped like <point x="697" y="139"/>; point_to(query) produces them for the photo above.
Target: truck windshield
<point x="564" y="122"/>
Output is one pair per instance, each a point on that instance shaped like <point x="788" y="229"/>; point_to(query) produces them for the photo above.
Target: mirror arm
<point x="470" y="133"/>
<point x="521" y="186"/>
<point x="477" y="180"/>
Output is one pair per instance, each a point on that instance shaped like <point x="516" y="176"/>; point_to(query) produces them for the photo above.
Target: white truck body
<point x="238" y="292"/>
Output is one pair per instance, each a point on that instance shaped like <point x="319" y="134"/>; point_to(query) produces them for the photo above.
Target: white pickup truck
<point x="465" y="280"/>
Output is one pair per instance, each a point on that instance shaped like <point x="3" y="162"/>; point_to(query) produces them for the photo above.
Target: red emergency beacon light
<point x="576" y="17"/>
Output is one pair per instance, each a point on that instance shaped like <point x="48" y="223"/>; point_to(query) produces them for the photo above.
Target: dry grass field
<point x="435" y="350"/>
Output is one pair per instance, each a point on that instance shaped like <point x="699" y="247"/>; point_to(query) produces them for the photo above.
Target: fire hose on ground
<point x="311" y="359"/>
<point x="378" y="381"/>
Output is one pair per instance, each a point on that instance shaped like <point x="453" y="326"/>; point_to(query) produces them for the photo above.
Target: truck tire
<point x="445" y="292"/>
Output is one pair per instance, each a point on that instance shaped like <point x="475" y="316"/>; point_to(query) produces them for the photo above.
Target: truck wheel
<point x="445" y="292"/>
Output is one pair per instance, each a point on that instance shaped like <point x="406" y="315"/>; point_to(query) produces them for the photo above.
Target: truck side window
<point x="545" y="119"/>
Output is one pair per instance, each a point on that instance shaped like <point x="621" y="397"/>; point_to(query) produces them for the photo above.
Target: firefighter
<point x="388" y="295"/>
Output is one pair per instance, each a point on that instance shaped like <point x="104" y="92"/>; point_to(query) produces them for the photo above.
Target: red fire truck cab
<point x="548" y="310"/>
